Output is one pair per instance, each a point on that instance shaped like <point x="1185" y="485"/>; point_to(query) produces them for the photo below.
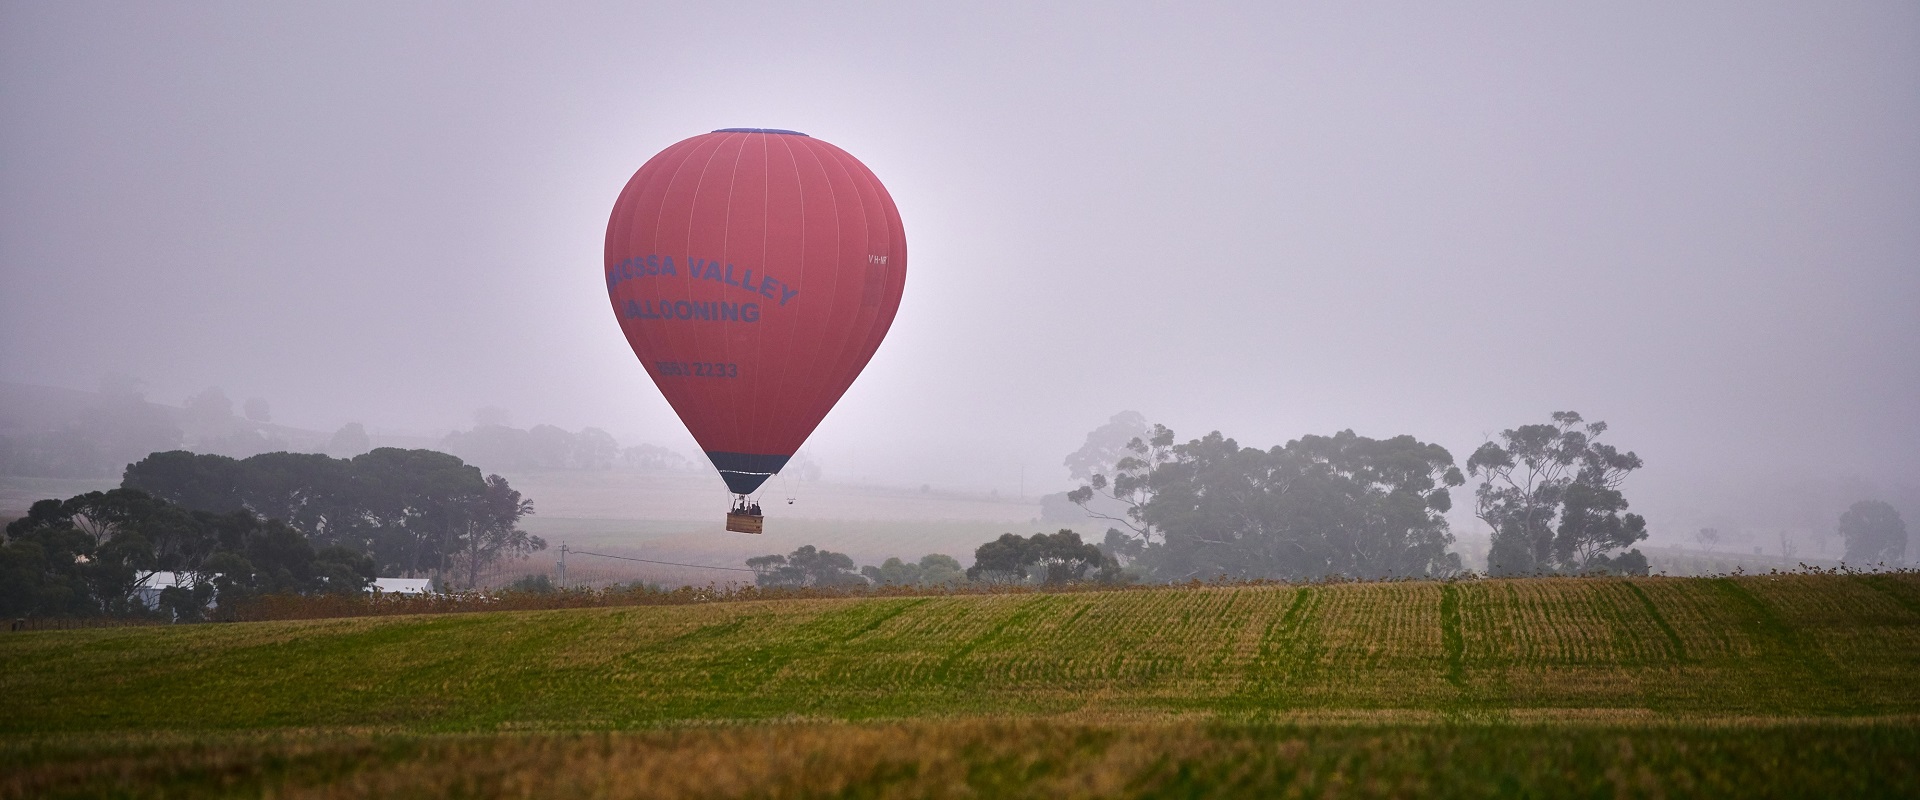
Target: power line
<point x="651" y="561"/>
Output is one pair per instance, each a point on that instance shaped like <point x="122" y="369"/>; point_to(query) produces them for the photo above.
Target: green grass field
<point x="1796" y="685"/>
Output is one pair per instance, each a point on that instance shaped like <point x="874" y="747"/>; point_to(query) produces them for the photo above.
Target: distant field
<point x="700" y="495"/>
<point x="1652" y="683"/>
<point x="680" y="517"/>
<point x="17" y="494"/>
<point x="867" y="541"/>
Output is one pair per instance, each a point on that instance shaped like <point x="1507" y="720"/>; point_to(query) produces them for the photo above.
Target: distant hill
<point x="26" y="407"/>
<point x="55" y="432"/>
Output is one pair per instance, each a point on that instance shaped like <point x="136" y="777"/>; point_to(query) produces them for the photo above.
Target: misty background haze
<point x="1700" y="224"/>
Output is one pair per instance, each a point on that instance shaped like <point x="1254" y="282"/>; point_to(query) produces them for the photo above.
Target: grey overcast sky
<point x="1697" y="221"/>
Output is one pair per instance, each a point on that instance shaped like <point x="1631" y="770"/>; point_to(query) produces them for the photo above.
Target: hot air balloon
<point x="754" y="271"/>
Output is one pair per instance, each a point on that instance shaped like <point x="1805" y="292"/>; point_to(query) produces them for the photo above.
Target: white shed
<point x="148" y="585"/>
<point x="403" y="585"/>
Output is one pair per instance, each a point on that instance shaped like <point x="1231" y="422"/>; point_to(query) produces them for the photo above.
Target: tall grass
<point x="1002" y="758"/>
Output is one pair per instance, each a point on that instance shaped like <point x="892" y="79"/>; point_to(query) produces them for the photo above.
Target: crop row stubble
<point x="1762" y="645"/>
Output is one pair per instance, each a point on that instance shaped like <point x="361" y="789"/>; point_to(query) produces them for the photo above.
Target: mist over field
<point x="1696" y="224"/>
<point x="1243" y="399"/>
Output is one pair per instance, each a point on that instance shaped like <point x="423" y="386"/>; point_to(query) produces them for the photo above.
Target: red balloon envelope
<point x="754" y="271"/>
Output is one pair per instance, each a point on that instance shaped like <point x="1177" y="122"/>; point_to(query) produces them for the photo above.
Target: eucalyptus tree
<point x="1550" y="493"/>
<point x="1874" y="533"/>
<point x="1317" y="506"/>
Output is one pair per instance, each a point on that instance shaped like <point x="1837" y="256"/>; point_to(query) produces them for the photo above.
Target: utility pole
<point x="560" y="567"/>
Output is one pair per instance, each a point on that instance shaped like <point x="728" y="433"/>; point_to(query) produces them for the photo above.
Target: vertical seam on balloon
<point x="750" y="432"/>
<point x="757" y="425"/>
<point x="686" y="287"/>
<point x="662" y="212"/>
<point x="745" y="433"/>
<point x="888" y="304"/>
<point x="793" y="319"/>
<point x="701" y="412"/>
<point x="856" y="339"/>
<point x="726" y="238"/>
<point x="652" y="340"/>
<point x="841" y="380"/>
<point x="865" y="340"/>
<point x="836" y="384"/>
<point x="869" y="342"/>
<point x="849" y="343"/>
<point x="881" y="320"/>
<point x="839" y="240"/>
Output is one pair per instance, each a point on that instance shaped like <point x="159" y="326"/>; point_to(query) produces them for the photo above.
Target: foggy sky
<point x="1698" y="222"/>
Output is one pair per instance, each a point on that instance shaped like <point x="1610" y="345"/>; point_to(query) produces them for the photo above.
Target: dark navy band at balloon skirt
<point x="744" y="472"/>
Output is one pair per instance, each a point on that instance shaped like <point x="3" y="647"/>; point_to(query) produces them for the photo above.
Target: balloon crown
<point x="761" y="130"/>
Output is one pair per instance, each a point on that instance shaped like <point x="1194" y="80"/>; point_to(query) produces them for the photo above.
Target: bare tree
<point x="1708" y="538"/>
<point x="1130" y="485"/>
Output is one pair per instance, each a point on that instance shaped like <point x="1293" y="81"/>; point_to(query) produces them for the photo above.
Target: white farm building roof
<point x="403" y="585"/>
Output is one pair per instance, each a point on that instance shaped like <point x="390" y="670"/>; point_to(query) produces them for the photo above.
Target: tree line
<point x="1551" y="494"/>
<point x="87" y="556"/>
<point x="270" y="523"/>
<point x="1342" y="505"/>
<point x="1352" y="506"/>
